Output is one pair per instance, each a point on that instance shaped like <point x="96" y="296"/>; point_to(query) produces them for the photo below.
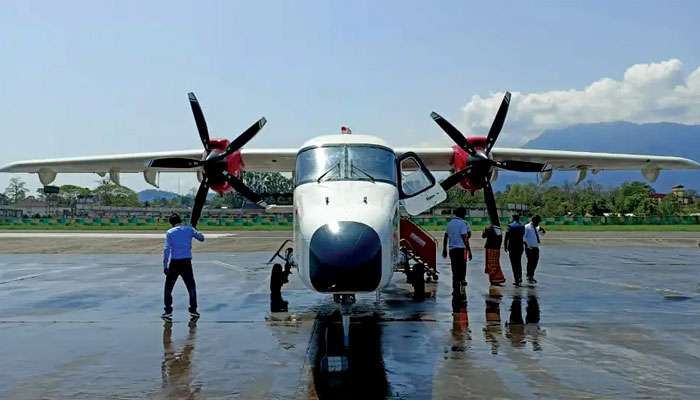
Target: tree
<point x="3" y="199"/>
<point x="669" y="207"/>
<point x="16" y="190"/>
<point x="69" y="193"/>
<point x="267" y="184"/>
<point x="110" y="194"/>
<point x="634" y="197"/>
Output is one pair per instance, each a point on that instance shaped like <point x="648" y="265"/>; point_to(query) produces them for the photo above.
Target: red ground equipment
<point x="418" y="246"/>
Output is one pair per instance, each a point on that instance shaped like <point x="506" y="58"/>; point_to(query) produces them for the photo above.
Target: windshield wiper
<point x="320" y="178"/>
<point x="353" y="167"/>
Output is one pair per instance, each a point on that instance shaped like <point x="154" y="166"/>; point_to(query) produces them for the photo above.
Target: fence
<point x="678" y="220"/>
<point x="273" y="219"/>
<point x="286" y="220"/>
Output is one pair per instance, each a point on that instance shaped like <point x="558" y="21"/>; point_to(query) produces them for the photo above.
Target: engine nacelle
<point x="460" y="161"/>
<point x="234" y="164"/>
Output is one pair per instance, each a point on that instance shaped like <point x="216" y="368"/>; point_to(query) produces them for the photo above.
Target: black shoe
<point x="531" y="280"/>
<point x="517" y="283"/>
<point x="167" y="317"/>
<point x="194" y="315"/>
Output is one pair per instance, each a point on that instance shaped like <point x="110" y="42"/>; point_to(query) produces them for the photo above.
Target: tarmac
<point x="603" y="322"/>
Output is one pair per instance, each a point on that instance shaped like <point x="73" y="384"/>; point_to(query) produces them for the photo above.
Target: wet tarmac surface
<point x="602" y="323"/>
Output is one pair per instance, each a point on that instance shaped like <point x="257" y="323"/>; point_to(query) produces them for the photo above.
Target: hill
<point x="661" y="138"/>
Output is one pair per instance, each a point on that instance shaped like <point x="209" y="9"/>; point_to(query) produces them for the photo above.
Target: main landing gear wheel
<point x="418" y="282"/>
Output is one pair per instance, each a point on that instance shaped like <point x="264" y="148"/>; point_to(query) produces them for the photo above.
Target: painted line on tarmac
<point x="32" y="276"/>
<point x="664" y="291"/>
<point x="232" y="267"/>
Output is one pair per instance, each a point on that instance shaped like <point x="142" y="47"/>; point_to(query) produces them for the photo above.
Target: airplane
<point x="348" y="188"/>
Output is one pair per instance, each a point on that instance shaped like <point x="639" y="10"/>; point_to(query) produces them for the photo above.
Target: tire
<point x="419" y="282"/>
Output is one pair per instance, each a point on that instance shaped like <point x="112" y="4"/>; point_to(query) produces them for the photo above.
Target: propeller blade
<point x="245" y="191"/>
<point x="498" y="122"/>
<point x="454" y="179"/>
<point x="199" y="199"/>
<point x="174" y="163"/>
<point x="490" y="201"/>
<point x="199" y="120"/>
<point x="241" y="140"/>
<point x="453" y="133"/>
<point x="520" y="166"/>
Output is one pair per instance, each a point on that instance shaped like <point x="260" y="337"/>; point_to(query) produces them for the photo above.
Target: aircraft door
<point x="418" y="188"/>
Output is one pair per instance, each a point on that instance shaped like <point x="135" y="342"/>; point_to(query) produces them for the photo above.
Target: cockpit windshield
<point x="346" y="162"/>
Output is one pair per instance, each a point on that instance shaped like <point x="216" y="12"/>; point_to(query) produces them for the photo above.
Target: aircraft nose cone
<point x="345" y="257"/>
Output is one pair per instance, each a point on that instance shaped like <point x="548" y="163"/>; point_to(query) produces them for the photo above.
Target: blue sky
<point x="93" y="77"/>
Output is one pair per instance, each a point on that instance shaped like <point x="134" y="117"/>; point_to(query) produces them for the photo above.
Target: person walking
<point x="457" y="240"/>
<point x="514" y="247"/>
<point x="177" y="262"/>
<point x="532" y="246"/>
<point x="492" y="259"/>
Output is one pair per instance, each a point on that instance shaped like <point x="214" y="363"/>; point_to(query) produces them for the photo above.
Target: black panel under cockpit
<point x="345" y="257"/>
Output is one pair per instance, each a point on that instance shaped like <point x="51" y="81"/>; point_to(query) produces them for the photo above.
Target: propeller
<point x="479" y="165"/>
<point x="199" y="120"/>
<point x="213" y="170"/>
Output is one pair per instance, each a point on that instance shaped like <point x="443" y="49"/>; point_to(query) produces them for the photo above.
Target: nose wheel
<point x="345" y="301"/>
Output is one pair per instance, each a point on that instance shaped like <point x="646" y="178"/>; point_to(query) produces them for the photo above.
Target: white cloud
<point x="647" y="93"/>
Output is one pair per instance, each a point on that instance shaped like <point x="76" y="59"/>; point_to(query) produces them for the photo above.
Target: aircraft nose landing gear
<point x="340" y="363"/>
<point x="346" y="301"/>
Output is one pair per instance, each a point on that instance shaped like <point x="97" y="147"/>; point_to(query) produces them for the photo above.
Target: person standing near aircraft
<point x="532" y="246"/>
<point x="277" y="279"/>
<point x="492" y="259"/>
<point x="514" y="247"/>
<point x="177" y="261"/>
<point x="457" y="240"/>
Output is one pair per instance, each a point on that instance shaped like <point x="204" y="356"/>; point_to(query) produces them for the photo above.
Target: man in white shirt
<point x="457" y="240"/>
<point x="532" y="246"/>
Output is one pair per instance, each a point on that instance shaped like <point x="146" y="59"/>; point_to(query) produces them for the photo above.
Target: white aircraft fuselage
<point x="346" y="229"/>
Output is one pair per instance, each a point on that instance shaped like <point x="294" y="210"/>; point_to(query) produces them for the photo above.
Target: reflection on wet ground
<point x="611" y="322"/>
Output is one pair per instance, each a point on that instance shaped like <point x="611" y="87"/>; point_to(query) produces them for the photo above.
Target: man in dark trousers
<point x="457" y="240"/>
<point x="177" y="261"/>
<point x="514" y="247"/>
<point x="532" y="246"/>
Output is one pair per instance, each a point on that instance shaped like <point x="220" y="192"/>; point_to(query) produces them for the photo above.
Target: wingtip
<point x="9" y="167"/>
<point x="191" y="96"/>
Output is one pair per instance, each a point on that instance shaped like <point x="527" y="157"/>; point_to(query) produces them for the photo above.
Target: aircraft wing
<point x="440" y="159"/>
<point x="258" y="160"/>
